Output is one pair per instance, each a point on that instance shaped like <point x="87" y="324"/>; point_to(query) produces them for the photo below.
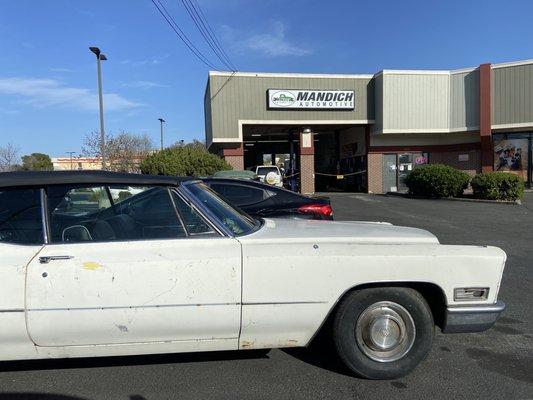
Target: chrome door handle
<point x="47" y="259"/>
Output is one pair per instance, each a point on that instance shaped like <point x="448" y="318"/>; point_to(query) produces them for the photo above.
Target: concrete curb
<point x="409" y="196"/>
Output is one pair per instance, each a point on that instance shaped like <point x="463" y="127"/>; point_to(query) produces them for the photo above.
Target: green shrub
<point x="437" y="180"/>
<point x="183" y="161"/>
<point x="498" y="186"/>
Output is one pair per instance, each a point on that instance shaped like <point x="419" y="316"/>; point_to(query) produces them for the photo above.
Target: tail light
<point x="323" y="210"/>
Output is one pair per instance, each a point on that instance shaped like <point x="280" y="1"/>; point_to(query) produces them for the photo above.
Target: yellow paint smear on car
<point x="92" y="266"/>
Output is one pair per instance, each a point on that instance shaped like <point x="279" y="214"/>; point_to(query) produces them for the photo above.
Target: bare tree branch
<point x="9" y="157"/>
<point x="124" y="152"/>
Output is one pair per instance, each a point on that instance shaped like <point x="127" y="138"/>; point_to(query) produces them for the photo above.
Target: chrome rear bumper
<point x="474" y="318"/>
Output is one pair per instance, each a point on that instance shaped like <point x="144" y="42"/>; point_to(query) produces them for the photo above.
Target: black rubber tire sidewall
<point x="344" y="331"/>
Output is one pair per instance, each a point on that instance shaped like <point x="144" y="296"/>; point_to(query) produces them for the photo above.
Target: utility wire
<point x="175" y="27"/>
<point x="200" y="26"/>
<point x="207" y="34"/>
<point x="219" y="45"/>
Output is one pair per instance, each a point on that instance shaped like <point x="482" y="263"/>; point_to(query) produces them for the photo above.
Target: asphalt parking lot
<point x="494" y="364"/>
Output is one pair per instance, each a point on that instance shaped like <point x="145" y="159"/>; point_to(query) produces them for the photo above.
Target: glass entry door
<point x="389" y="173"/>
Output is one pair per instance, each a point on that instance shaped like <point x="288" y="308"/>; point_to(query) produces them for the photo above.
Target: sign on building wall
<point x="311" y="99"/>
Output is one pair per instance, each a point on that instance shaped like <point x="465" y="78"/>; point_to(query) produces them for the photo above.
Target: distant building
<point x="76" y="163"/>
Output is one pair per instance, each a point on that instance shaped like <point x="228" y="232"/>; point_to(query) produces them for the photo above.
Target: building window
<point x="512" y="153"/>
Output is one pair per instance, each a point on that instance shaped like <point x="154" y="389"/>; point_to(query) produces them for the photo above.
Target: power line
<point x="177" y="30"/>
<point x="207" y="33"/>
<point x="201" y="28"/>
<point x="213" y="34"/>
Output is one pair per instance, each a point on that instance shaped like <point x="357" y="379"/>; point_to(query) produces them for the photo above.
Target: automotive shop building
<point x="366" y="132"/>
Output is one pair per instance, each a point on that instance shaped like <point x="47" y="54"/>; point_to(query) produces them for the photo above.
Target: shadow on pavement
<point x="321" y="352"/>
<point x="119" y="361"/>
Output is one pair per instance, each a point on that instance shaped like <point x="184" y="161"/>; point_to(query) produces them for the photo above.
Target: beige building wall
<point x="77" y="163"/>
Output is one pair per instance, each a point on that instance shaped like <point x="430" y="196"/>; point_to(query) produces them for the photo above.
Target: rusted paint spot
<point x="92" y="266"/>
<point x="122" y="328"/>
<point x="247" y="344"/>
<point x="293" y="341"/>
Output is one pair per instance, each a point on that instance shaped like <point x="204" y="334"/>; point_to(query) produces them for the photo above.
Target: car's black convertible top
<point x="45" y="178"/>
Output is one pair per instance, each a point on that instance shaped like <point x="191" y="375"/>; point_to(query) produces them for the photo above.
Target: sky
<point x="48" y="81"/>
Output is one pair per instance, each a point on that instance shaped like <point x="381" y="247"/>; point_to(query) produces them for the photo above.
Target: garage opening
<point x="339" y="154"/>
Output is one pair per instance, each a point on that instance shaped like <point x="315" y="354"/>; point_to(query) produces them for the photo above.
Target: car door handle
<point x="47" y="259"/>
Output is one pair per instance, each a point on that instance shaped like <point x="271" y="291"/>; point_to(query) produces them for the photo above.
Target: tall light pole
<point x="99" y="58"/>
<point x="70" y="153"/>
<point x="161" y="120"/>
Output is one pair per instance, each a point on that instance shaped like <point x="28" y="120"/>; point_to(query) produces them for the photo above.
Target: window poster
<point x="511" y="155"/>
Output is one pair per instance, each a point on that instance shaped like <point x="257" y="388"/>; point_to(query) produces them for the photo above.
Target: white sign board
<point x="463" y="157"/>
<point x="311" y="99"/>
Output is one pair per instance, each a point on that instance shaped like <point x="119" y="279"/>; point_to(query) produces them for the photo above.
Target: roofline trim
<point x="512" y="64"/>
<point x="241" y="122"/>
<point x="290" y="75"/>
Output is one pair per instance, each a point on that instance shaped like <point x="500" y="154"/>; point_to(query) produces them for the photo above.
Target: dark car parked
<point x="259" y="199"/>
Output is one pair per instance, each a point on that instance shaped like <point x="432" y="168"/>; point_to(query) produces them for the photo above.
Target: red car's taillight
<point x="323" y="210"/>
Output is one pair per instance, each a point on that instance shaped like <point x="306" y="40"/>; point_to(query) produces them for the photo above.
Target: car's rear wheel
<point x="383" y="333"/>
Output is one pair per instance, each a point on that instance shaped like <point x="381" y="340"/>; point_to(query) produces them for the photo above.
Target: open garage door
<point x="339" y="154"/>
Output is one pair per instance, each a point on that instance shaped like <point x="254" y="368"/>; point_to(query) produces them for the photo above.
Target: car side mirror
<point x="76" y="233"/>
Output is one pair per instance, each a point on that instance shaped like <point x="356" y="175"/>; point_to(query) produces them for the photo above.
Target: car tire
<point x="383" y="333"/>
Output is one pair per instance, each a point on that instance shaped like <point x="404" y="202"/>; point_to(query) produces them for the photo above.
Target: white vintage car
<point x="173" y="268"/>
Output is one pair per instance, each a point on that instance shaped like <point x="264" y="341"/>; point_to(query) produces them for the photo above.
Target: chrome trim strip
<point x="497" y="307"/>
<point x="13" y="310"/>
<point x="169" y="191"/>
<point x="44" y="216"/>
<point x="283" y="303"/>
<point x="132" y="307"/>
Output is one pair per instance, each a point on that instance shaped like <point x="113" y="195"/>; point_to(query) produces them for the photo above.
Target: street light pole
<point x="161" y="120"/>
<point x="71" y="153"/>
<point x="99" y="58"/>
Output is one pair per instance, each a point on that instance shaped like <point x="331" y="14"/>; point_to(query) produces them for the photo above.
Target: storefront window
<point x="512" y="153"/>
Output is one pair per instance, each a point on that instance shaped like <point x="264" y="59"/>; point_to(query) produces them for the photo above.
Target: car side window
<point x="84" y="214"/>
<point x="240" y="195"/>
<point x="20" y="216"/>
<point x="194" y="222"/>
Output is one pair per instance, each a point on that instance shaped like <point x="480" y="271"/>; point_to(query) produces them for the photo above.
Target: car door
<point x="21" y="239"/>
<point x="253" y="200"/>
<point x="131" y="272"/>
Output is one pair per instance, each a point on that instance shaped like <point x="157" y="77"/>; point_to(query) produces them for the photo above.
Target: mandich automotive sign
<point x="311" y="99"/>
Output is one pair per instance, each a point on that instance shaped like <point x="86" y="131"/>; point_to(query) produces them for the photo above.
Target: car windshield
<point x="234" y="219"/>
<point x="266" y="170"/>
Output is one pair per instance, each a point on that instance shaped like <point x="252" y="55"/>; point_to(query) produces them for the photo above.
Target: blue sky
<point x="48" y="76"/>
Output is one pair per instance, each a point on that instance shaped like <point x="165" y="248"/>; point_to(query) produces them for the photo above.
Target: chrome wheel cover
<point x="385" y="331"/>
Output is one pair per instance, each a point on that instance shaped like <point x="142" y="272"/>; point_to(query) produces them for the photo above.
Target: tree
<point x="37" y="162"/>
<point x="9" y="157"/>
<point x="193" y="160"/>
<point x="124" y="152"/>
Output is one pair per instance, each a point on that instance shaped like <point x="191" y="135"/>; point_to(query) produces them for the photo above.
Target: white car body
<point x="272" y="177"/>
<point x="274" y="287"/>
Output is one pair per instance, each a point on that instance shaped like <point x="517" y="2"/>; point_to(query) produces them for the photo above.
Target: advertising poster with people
<point x="511" y="155"/>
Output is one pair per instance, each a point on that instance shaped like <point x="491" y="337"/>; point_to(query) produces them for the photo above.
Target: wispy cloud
<point x="143" y="85"/>
<point x="60" y="70"/>
<point x="42" y="93"/>
<point x="148" y="61"/>
<point x="273" y="43"/>
<point x="8" y="111"/>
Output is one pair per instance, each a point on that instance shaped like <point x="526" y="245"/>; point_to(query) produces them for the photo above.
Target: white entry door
<point x="83" y="292"/>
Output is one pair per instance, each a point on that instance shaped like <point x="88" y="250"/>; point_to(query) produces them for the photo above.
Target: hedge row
<point x="498" y="186"/>
<point x="437" y="180"/>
